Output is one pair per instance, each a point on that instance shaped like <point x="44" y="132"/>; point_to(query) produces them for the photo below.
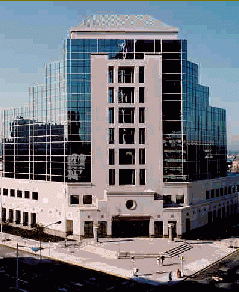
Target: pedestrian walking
<point x="162" y="259"/>
<point x="135" y="272"/>
<point x="170" y="276"/>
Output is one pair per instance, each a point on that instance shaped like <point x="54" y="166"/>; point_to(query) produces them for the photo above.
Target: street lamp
<point x="33" y="249"/>
<point x="41" y="230"/>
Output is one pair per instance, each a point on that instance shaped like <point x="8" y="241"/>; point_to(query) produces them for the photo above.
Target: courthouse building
<point x="120" y="135"/>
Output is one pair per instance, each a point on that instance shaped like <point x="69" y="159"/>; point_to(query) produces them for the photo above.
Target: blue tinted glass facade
<point x="51" y="140"/>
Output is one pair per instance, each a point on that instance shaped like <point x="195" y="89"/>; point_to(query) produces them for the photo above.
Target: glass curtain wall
<point x="51" y="139"/>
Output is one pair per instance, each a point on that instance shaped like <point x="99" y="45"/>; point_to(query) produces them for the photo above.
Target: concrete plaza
<point x="103" y="255"/>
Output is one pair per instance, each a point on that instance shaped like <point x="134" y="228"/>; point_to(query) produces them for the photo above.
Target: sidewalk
<point x="102" y="256"/>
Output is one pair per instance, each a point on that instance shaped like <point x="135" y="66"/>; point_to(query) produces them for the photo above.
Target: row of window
<point x="127" y="135"/>
<point x="75" y="199"/>
<point x="126" y="156"/>
<point x="167" y="199"/>
<point x="214" y="193"/>
<point x="20" y="194"/>
<point x="125" y="75"/>
<point x="127" y="176"/>
<point x="126" y="115"/>
<point x="17" y="218"/>
<point x="125" y="95"/>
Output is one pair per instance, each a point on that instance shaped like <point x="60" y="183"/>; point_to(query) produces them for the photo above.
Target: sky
<point x="32" y="33"/>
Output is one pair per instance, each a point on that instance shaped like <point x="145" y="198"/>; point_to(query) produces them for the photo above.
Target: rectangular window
<point x="26" y="194"/>
<point x="4" y="214"/>
<point x="141" y="115"/>
<point x="12" y="193"/>
<point x="207" y="195"/>
<point x="111" y="115"/>
<point x="142" y="176"/>
<point x="141" y="156"/>
<point x="221" y="192"/>
<point x="126" y="75"/>
<point x="141" y="94"/>
<point x="179" y="199"/>
<point x="74" y="199"/>
<point x="142" y="136"/>
<point x="111" y="95"/>
<point x="111" y="136"/>
<point x="167" y="199"/>
<point x="127" y="177"/>
<point x="111" y="177"/>
<point x="126" y="115"/>
<point x="126" y="95"/>
<point x="19" y="193"/>
<point x="111" y="74"/>
<point x="111" y="156"/>
<point x="141" y="74"/>
<point x="35" y="195"/>
<point x="212" y="193"/>
<point x="5" y="192"/>
<point x="126" y="156"/>
<point x="10" y="215"/>
<point x="87" y="199"/>
<point x="126" y="135"/>
<point x="217" y="192"/>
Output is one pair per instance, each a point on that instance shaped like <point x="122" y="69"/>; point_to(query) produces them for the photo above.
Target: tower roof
<point x="127" y="23"/>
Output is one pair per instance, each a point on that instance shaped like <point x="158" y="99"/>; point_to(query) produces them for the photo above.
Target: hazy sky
<point x="32" y="33"/>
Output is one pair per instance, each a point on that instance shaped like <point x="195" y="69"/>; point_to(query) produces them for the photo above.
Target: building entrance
<point x="158" y="228"/>
<point x="130" y="226"/>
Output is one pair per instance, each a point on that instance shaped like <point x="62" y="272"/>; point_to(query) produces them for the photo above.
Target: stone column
<point x="151" y="227"/>
<point x="170" y="235"/>
<point x="95" y="231"/>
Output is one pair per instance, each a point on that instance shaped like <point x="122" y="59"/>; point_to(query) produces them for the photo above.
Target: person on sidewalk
<point x="135" y="272"/>
<point x="170" y="276"/>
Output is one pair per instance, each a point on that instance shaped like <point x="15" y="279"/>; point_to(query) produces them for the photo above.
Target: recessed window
<point x="111" y="94"/>
<point x="127" y="177"/>
<point x="207" y="195"/>
<point x="19" y="193"/>
<point x="142" y="136"/>
<point x="126" y="135"/>
<point x="126" y="95"/>
<point x="141" y="74"/>
<point x="111" y="156"/>
<point x="126" y="115"/>
<point x="179" y="199"/>
<point x="26" y="194"/>
<point x="35" y="195"/>
<point x="141" y="94"/>
<point x="111" y="177"/>
<point x="111" y="136"/>
<point x="5" y="192"/>
<point x="142" y="176"/>
<point x="12" y="193"/>
<point x="111" y="74"/>
<point x="74" y="199"/>
<point x="141" y="115"/>
<point x="126" y="156"/>
<point x="126" y="75"/>
<point x="167" y="199"/>
<point x="111" y="115"/>
<point x="87" y="199"/>
<point x="141" y="156"/>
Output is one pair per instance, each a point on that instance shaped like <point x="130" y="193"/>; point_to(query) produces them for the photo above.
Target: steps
<point x="168" y="254"/>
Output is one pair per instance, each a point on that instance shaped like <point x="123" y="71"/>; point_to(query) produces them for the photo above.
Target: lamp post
<point x="41" y="230"/>
<point x="1" y="216"/>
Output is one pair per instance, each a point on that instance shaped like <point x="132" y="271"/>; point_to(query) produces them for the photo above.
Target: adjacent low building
<point x="120" y="136"/>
